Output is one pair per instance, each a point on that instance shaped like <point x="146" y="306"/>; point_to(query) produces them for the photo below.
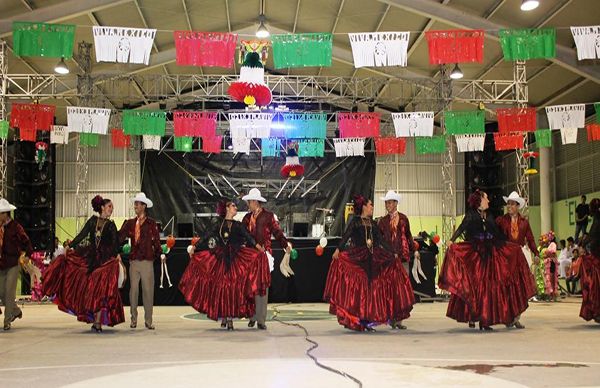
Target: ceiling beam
<point x="379" y="24"/>
<point x="27" y="4"/>
<point x="64" y="10"/>
<point x="335" y="23"/>
<point x="565" y="56"/>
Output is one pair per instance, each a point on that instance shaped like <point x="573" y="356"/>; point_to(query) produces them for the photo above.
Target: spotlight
<point x="262" y="32"/>
<point x="529" y="5"/>
<point x="456" y="72"/>
<point x="61" y="67"/>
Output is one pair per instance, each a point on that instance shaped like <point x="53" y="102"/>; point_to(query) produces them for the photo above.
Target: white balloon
<point x="323" y="242"/>
<point x="190" y="249"/>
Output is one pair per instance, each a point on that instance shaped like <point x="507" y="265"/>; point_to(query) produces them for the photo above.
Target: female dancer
<point x="590" y="266"/>
<point x="367" y="284"/>
<point x="478" y="272"/>
<point x="517" y="230"/>
<point x="84" y="281"/>
<point x="222" y="282"/>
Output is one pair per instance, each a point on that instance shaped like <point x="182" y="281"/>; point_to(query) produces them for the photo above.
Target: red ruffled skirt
<point x="76" y="292"/>
<point x="490" y="290"/>
<point x="219" y="291"/>
<point x="590" y="287"/>
<point x="358" y="301"/>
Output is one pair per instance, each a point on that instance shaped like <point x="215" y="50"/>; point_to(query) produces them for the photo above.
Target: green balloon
<point x="294" y="254"/>
<point x="126" y="248"/>
<point x="431" y="234"/>
<point x="165" y="249"/>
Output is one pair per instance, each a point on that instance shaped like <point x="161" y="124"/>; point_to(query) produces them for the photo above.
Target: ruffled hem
<point x="590" y="287"/>
<point x="78" y="293"/>
<point x="356" y="300"/>
<point x="492" y="291"/>
<point x="218" y="291"/>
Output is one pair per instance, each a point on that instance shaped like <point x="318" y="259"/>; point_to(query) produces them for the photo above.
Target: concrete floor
<point x="51" y="349"/>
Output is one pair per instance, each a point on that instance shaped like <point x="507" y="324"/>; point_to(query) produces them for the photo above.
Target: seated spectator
<point x="58" y="248"/>
<point x="574" y="274"/>
<point x="566" y="256"/>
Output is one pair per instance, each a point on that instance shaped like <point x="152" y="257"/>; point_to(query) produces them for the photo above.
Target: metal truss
<point x="344" y="91"/>
<point x="3" y="116"/>
<point x="448" y="162"/>
<point x="85" y="89"/>
<point x="521" y="95"/>
<point x="219" y="185"/>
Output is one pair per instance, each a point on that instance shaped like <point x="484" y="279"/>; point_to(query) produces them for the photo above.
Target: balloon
<point x="432" y="233"/>
<point x="165" y="248"/>
<point x="126" y="249"/>
<point x="294" y="254"/>
<point x="319" y="250"/>
<point x="323" y="242"/>
<point x="416" y="245"/>
<point x="170" y="241"/>
<point x="190" y="249"/>
<point x="436" y="239"/>
<point x="195" y="240"/>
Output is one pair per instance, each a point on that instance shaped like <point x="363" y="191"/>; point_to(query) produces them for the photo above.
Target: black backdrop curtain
<point x="173" y="194"/>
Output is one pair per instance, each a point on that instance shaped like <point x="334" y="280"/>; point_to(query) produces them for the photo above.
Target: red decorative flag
<point x="516" y="120"/>
<point x="29" y="117"/>
<point x="359" y="124"/>
<point x="390" y="145"/>
<point x="27" y="134"/>
<point x="212" y="145"/>
<point x="508" y="141"/>
<point x="198" y="124"/>
<point x="593" y="132"/>
<point x="209" y="49"/>
<point x="455" y="46"/>
<point x="120" y="139"/>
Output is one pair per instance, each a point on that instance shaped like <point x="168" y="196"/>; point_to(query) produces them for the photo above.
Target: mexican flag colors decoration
<point x="251" y="88"/>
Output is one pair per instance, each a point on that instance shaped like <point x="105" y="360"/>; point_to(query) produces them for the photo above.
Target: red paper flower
<point x="292" y="171"/>
<point x="240" y="90"/>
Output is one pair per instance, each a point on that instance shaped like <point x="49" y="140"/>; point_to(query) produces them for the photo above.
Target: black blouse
<point x="227" y="232"/>
<point x="359" y="232"/>
<point x="476" y="227"/>
<point x="102" y="250"/>
<point x="594" y="236"/>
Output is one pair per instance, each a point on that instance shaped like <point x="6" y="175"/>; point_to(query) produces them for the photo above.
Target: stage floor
<point x="48" y="348"/>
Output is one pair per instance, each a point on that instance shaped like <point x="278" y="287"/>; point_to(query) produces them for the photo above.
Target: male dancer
<point x="145" y="248"/>
<point x="261" y="224"/>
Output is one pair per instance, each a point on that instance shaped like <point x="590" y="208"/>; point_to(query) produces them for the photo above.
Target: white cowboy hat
<point x="254" y="194"/>
<point x="5" y="206"/>
<point x="391" y="195"/>
<point x="141" y="197"/>
<point x="514" y="196"/>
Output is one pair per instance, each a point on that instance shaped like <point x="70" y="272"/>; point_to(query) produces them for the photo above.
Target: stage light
<point x="456" y="72"/>
<point x="529" y="5"/>
<point x="262" y="32"/>
<point x="61" y="67"/>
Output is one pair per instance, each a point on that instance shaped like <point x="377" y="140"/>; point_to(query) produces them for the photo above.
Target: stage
<point x="49" y="348"/>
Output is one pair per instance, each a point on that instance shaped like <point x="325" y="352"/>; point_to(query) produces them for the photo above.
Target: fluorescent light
<point x="456" y="72"/>
<point x="262" y="31"/>
<point x="528" y="5"/>
<point x="61" y="67"/>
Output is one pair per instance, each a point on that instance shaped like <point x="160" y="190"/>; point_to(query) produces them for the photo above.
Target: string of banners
<point x="410" y="124"/>
<point x="250" y="125"/>
<point x="349" y="147"/>
<point x="88" y="120"/>
<point x="378" y="49"/>
<point x="123" y="45"/>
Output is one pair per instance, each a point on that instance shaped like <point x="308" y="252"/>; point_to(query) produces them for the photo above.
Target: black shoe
<point x="251" y="323"/>
<point x="261" y="326"/>
<point x="230" y="324"/>
<point x="224" y="323"/>
<point x="7" y="326"/>
<point x="97" y="328"/>
<point x="133" y="324"/>
<point x="19" y="316"/>
<point x="485" y="328"/>
<point x="370" y="329"/>
<point x="149" y="327"/>
<point x="471" y="325"/>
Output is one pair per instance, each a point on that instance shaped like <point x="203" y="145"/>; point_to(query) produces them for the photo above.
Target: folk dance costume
<point x="13" y="241"/>
<point x="222" y="281"/>
<point x="262" y="224"/>
<point x="367" y="285"/>
<point x="85" y="281"/>
<point x="550" y="271"/>
<point x="484" y="273"/>
<point x="590" y="269"/>
<point x="145" y="248"/>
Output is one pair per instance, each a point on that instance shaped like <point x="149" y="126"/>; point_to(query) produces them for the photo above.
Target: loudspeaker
<point x="483" y="171"/>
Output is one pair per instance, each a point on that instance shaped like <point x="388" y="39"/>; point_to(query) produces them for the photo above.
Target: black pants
<point x="572" y="281"/>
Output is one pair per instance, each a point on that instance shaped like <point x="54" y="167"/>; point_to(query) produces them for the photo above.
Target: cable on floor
<point x="314" y="345"/>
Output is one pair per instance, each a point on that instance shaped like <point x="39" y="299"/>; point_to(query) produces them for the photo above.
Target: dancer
<point x="395" y="230"/>
<point x="85" y="281"/>
<point x="13" y="241"/>
<point x="145" y="248"/>
<point x="479" y="272"/>
<point x="261" y="224"/>
<point x="590" y="268"/>
<point x="366" y="284"/>
<point x="516" y="229"/>
<point x="222" y="282"/>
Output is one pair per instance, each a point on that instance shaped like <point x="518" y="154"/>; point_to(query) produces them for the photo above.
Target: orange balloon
<point x="195" y="240"/>
<point x="170" y="241"/>
<point x="319" y="250"/>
